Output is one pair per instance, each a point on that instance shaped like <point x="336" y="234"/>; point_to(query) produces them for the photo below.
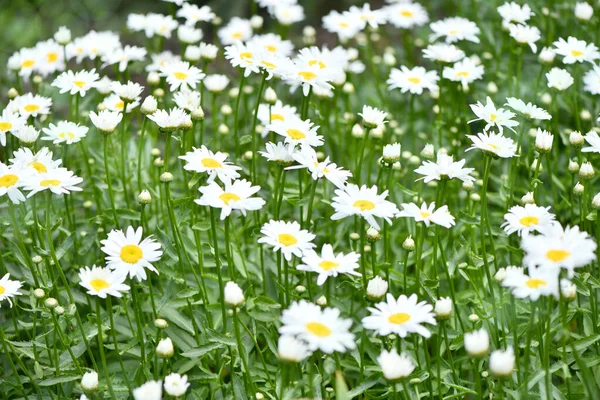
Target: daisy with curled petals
<point x="593" y="140"/>
<point x="12" y="180"/>
<point x="444" y="168"/>
<point x="129" y="255"/>
<point x="527" y="219"/>
<point x="297" y="132"/>
<point x="406" y="15"/>
<point x="539" y="282"/>
<point x="281" y="153"/>
<point x="102" y="282"/>
<point x="188" y="100"/>
<point x="427" y="214"/>
<point x="493" y="116"/>
<point x="58" y="181"/>
<point x="41" y="161"/>
<point x="235" y="196"/>
<point x="9" y="288"/>
<point x="181" y="75"/>
<point x="373" y="118"/>
<point x="494" y="144"/>
<point x="529" y="110"/>
<point x="400" y="316"/>
<point x="412" y="80"/>
<point x="79" y="82"/>
<point x="106" y="121"/>
<point x="443" y="53"/>
<point x="129" y="91"/>
<point x="30" y="105"/>
<point x="464" y="71"/>
<point x="363" y="201"/>
<point x="65" y="132"/>
<point x="567" y="248"/>
<point x="203" y="160"/>
<point x="10" y="122"/>
<point x="307" y="158"/>
<point x="327" y="264"/>
<point x="287" y="237"/>
<point x="321" y="329"/>
<point x="574" y="50"/>
<point x="454" y="29"/>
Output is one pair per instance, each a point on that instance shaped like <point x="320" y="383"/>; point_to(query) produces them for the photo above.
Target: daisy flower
<point x="406" y="15"/>
<point x="363" y="201"/>
<point x="559" y="79"/>
<point x="287" y="237"/>
<point x="309" y="75"/>
<point x="493" y="116"/>
<point x="243" y="56"/>
<point x="30" y="105"/>
<point x="494" y="144"/>
<point x="27" y="134"/>
<point x="237" y="30"/>
<point x="216" y="83"/>
<point x="574" y="50"/>
<point x="181" y="75"/>
<point x="277" y="113"/>
<point x="366" y="16"/>
<point x="307" y="158"/>
<point x="372" y="117"/>
<point x="102" y="282"/>
<point x="400" y="316"/>
<point x="171" y="120"/>
<point x="235" y="196"/>
<point x="76" y="82"/>
<point x="465" y="71"/>
<point x="444" y="168"/>
<point x="455" y="29"/>
<point x="41" y="161"/>
<point x="412" y="80"/>
<point x="427" y="214"/>
<point x="10" y="122"/>
<point x="321" y="329"/>
<point x="591" y="80"/>
<point x="539" y="282"/>
<point x="65" y="132"/>
<point x="529" y="110"/>
<point x="122" y="56"/>
<point x="327" y="264"/>
<point x="525" y="34"/>
<point x="556" y="247"/>
<point x="187" y="100"/>
<point x="395" y="366"/>
<point x="297" y="132"/>
<point x="345" y="25"/>
<point x="58" y="181"/>
<point x="194" y="14"/>
<point x="443" y="53"/>
<point x="281" y="153"/>
<point x="527" y="219"/>
<point x="129" y="254"/>
<point x="129" y="91"/>
<point x="9" y="288"/>
<point x="11" y="181"/>
<point x="593" y="140"/>
<point x="512" y="12"/>
<point x="203" y="160"/>
<point x="292" y="350"/>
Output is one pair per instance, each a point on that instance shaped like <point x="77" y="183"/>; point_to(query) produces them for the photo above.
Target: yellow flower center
<point x="27" y="63"/>
<point x="79" y="84"/>
<point x="4" y="126"/>
<point x="39" y="167"/>
<point x="406" y="13"/>
<point x="295" y="134"/>
<point x="286" y="239"/>
<point x="180" y="75"/>
<point x="321" y="64"/>
<point x="414" y="80"/>
<point x="237" y="35"/>
<point x="2" y="289"/>
<point x="211" y="163"/>
<point x="318" y="329"/>
<point x="8" y="180"/>
<point x="246" y="56"/>
<point x="227" y="197"/>
<point x="49" y="182"/>
<point x="493" y="146"/>
<point x="99" y="284"/>
<point x="274" y="117"/>
<point x="271" y="48"/>
<point x="344" y="25"/>
<point x="462" y="74"/>
<point x="576" y="53"/>
<point x="557" y="255"/>
<point x="529" y="220"/>
<point x="327" y="265"/>
<point x="535" y="283"/>
<point x="131" y="253"/>
<point x="425" y="214"/>
<point x="452" y="31"/>
<point x="399" y="318"/>
<point x="119" y="105"/>
<point x="63" y="135"/>
<point x="307" y="75"/>
<point x="268" y="65"/>
<point x="31" y="108"/>
<point x="52" y="57"/>
<point x="364" y="205"/>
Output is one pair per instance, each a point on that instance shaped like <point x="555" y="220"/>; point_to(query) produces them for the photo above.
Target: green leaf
<point x="341" y="389"/>
<point x="202" y="350"/>
<point x="360" y="389"/>
<point x="59" y="379"/>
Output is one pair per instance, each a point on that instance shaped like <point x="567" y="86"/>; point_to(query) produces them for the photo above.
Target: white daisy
<point x="529" y="110"/>
<point x="574" y="50"/>
<point x="454" y="29"/>
<point x="499" y="118"/>
<point x="297" y="132"/>
<point x="427" y="214"/>
<point x="102" y="282"/>
<point x="365" y="202"/>
<point x="30" y="105"/>
<point x="41" y="161"/>
<point x="281" y="153"/>
<point x="76" y="82"/>
<point x="287" y="237"/>
<point x="307" y="158"/>
<point x="559" y="79"/>
<point x="443" y="52"/>
<point x="539" y="282"/>
<point x="527" y="219"/>
<point x="444" y="168"/>
<point x="58" y="181"/>
<point x="65" y="132"/>
<point x="406" y="15"/>
<point x="413" y="80"/>
<point x="593" y="140"/>
<point x="10" y="122"/>
<point x="235" y="196"/>
<point x="327" y="264"/>
<point x="12" y="180"/>
<point x="181" y="75"/>
<point x="203" y="160"/>
<point x="494" y="144"/>
<point x="464" y="71"/>
<point x="9" y="288"/>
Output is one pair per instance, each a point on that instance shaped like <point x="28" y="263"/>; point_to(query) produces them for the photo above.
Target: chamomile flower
<point x="9" y="288"/>
<point x="366" y="16"/>
<point x="235" y="196"/>
<point x="79" y="82"/>
<point x="275" y="114"/>
<point x="106" y="121"/>
<point x="525" y="34"/>
<point x="187" y="100"/>
<point x="243" y="56"/>
<point x="307" y="158"/>
<point x="527" y="219"/>
<point x="216" y="83"/>
<point x="122" y="56"/>
<point x="574" y="50"/>
<point x="345" y="25"/>
<point x="128" y="254"/>
<point x="494" y="117"/>
<point x="169" y="120"/>
<point x="427" y="214"/>
<point x="413" y="80"/>
<point x="65" y="132"/>
<point x="327" y="264"/>
<point x="559" y="79"/>
<point x="237" y="30"/>
<point x="30" y="105"/>
<point x="281" y="153"/>
<point x="512" y="12"/>
<point x="455" y="29"/>
<point x="372" y="117"/>
<point x="529" y="110"/>
<point x="400" y="316"/>
<point x="443" y="53"/>
<point x="539" y="282"/>
<point x="194" y="14"/>
<point x="591" y="80"/>
<point x="57" y="180"/>
<point x="406" y="15"/>
<point x="203" y="160"/>
<point x="309" y="75"/>
<point x="12" y="180"/>
<point x="181" y="75"/>
<point x="287" y="237"/>
<point x="102" y="282"/>
<point x="494" y="144"/>
<point x="464" y="71"/>
<point x="365" y="202"/>
<point x="10" y="122"/>
<point x="593" y="140"/>
<point x="556" y="247"/>
<point x="129" y="91"/>
<point x="321" y="329"/>
<point x="41" y="161"/>
<point x="444" y="168"/>
<point x="297" y="132"/>
<point x="395" y="366"/>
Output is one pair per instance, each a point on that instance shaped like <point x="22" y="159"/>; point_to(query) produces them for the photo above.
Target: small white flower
<point x="502" y="362"/>
<point x="151" y="390"/>
<point x="395" y="366"/>
<point x="477" y="343"/>
<point x="165" y="349"/>
<point x="176" y="385"/>
<point x="291" y="349"/>
<point x="89" y="381"/>
<point x="233" y="294"/>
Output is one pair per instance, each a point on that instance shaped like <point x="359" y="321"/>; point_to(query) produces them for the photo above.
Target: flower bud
<point x="428" y="151"/>
<point x="322" y="301"/>
<point x="166" y="177"/>
<point x="576" y="139"/>
<point x="477" y="343"/>
<point x="568" y="290"/>
<point x="63" y="36"/>
<point x="354" y="236"/>
<point x="573" y="166"/>
<point x="586" y="171"/>
<point x="165" y="349"/>
<point x="89" y="381"/>
<point x="443" y="308"/>
<point x="160" y="323"/>
<point x="153" y="78"/>
<point x="39" y="293"/>
<point x="408" y="244"/>
<point x="12" y="93"/>
<point x="502" y="362"/>
<point x="270" y="96"/>
<point x="468" y="186"/>
<point x="373" y="235"/>
<point x="149" y="105"/>
<point x="357" y="131"/>
<point x="578" y="189"/>
<point x="51" y="303"/>
<point x="59" y="310"/>
<point x="376" y="289"/>
<point x="596" y="202"/>
<point x="234" y="296"/>
<point x="528" y="198"/>
<point x="197" y="114"/>
<point x="144" y="197"/>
